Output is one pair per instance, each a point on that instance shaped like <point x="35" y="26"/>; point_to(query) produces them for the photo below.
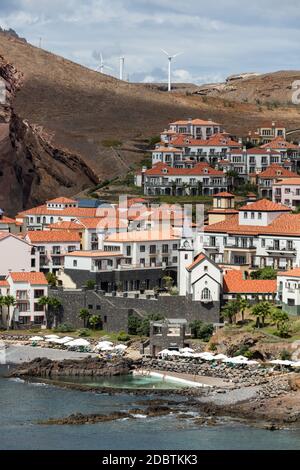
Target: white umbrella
<point x="64" y="340"/>
<point x="296" y="364"/>
<point x="120" y="347"/>
<point x="37" y="338"/>
<point x="187" y="354"/>
<point x="51" y="336"/>
<point x="281" y="362"/>
<point x="186" y="350"/>
<point x="220" y="357"/>
<point x="78" y="342"/>
<point x="206" y="356"/>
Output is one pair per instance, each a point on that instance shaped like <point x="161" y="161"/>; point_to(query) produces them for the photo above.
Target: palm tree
<point x="243" y="305"/>
<point x="94" y="321"/>
<point x="84" y="314"/>
<point x="261" y="311"/>
<point x="53" y="304"/>
<point x="1" y="306"/>
<point x="230" y="310"/>
<point x="9" y="301"/>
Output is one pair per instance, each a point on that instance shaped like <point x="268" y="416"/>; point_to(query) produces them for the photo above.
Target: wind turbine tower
<point x="170" y="57"/>
<point x="122" y="61"/>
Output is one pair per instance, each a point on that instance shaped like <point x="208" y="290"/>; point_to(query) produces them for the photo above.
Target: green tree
<point x="90" y="284"/>
<point x="52" y="279"/>
<point x="53" y="306"/>
<point x="261" y="311"/>
<point x="267" y="273"/>
<point x="84" y="315"/>
<point x="134" y="324"/>
<point x="9" y="301"/>
<point x="230" y="311"/>
<point x="95" y="321"/>
<point x="243" y="305"/>
<point x="281" y="320"/>
<point x="168" y="282"/>
<point x="202" y="330"/>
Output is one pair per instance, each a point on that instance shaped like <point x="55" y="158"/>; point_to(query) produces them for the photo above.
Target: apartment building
<point x="17" y="254"/>
<point x="262" y="234"/>
<point x="253" y="161"/>
<point x="288" y="291"/>
<point x="53" y="211"/>
<point x="267" y="132"/>
<point x="27" y="288"/>
<point x="285" y="148"/>
<point x="201" y="179"/>
<point x="184" y="151"/>
<point x="52" y="246"/>
<point x="9" y="225"/>
<point x="235" y="284"/>
<point x="126" y="260"/>
<point x="268" y="178"/>
<point x="287" y="192"/>
<point x="196" y="128"/>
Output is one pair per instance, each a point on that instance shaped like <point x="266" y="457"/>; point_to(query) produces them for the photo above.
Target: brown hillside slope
<point x="76" y="109"/>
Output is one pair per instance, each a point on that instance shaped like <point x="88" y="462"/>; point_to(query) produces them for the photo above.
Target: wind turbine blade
<point x="165" y="52"/>
<point x="101" y="57"/>
<point x="176" y="55"/>
<point x="107" y="67"/>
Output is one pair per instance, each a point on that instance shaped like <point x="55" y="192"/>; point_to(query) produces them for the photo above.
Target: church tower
<point x="186" y="258"/>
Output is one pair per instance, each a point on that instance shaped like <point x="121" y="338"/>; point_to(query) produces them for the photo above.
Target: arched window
<point x="44" y="220"/>
<point x="206" y="294"/>
<point x="51" y="220"/>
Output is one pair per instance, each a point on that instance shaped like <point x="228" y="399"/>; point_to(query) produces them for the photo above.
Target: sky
<point x="216" y="38"/>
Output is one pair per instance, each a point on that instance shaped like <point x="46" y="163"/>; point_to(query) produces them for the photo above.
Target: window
<point x="142" y="261"/>
<point x="105" y="319"/>
<point x="165" y="248"/>
<point x="38" y="308"/>
<point x="38" y="319"/>
<point x="33" y="262"/>
<point x="90" y="307"/>
<point x="263" y="243"/>
<point x="186" y="256"/>
<point x="142" y="248"/>
<point x="206" y="295"/>
<point x="128" y="250"/>
<point x="252" y="215"/>
<point x="98" y="307"/>
<point x="174" y="259"/>
<point x="165" y="260"/>
<point x="38" y="293"/>
<point x="152" y="249"/>
<point x="260" y="215"/>
<point x="24" y="320"/>
<point x="205" y="268"/>
<point x="245" y="215"/>
<point x="71" y="248"/>
<point x="175" y="246"/>
<point x="74" y="263"/>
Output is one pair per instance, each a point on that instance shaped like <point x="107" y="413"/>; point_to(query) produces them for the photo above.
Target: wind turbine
<point x="170" y="57"/>
<point x="122" y="60"/>
<point x="102" y="66"/>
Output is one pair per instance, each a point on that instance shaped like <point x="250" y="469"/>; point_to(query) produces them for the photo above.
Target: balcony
<point x="240" y="247"/>
<point x="284" y="251"/>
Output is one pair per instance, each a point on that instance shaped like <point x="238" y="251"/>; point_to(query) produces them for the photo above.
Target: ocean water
<point x="23" y="404"/>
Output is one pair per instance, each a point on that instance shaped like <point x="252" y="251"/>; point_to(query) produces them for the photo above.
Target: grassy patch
<point x="111" y="143"/>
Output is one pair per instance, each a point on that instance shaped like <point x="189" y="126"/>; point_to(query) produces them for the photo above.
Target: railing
<point x="240" y="247"/>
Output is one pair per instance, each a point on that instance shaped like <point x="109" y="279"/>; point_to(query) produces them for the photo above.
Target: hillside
<point x="271" y="88"/>
<point x="62" y="121"/>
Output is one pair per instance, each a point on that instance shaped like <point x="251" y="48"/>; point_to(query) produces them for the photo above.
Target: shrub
<point x="84" y="332"/>
<point x="134" y="324"/>
<point x="202" y="330"/>
<point x="123" y="336"/>
<point x="285" y="355"/>
<point x="212" y="347"/>
<point x="90" y="284"/>
<point x="144" y="329"/>
<point x="64" y="328"/>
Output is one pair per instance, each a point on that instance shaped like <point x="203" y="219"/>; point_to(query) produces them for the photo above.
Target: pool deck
<point x="187" y="379"/>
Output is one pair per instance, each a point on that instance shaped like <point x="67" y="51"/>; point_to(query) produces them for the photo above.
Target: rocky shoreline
<point x="261" y="398"/>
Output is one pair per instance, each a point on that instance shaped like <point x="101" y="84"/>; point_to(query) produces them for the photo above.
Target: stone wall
<point x="114" y="311"/>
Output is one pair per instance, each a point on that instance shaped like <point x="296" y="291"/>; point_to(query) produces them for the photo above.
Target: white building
<point x="52" y="247"/>
<point x="27" y="288"/>
<point x="17" y="254"/>
<point x="201" y="179"/>
<point x="288" y="291"/>
<point x="196" y="128"/>
<point x="287" y="192"/>
<point x="262" y="234"/>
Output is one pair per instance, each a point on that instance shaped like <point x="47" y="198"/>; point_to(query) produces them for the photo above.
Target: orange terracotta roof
<point x="217" y="140"/>
<point x="280" y="143"/>
<point x="264" y="205"/>
<point x="69" y="212"/>
<point x="197" y="122"/>
<point x="277" y="171"/>
<point x="253" y="151"/>
<point x="196" y="261"/>
<point x="167" y="150"/>
<point x="291" y="273"/>
<point x="288" y="182"/>
<point x="285" y="224"/>
<point x="65" y="225"/>
<point x="223" y="211"/>
<point x="61" y="200"/>
<point x="136" y="200"/>
<point x="45" y="236"/>
<point x="199" y="169"/>
<point x="94" y="254"/>
<point x="3" y="283"/>
<point x="32" y="278"/>
<point x="142" y="236"/>
<point x="8" y="220"/>
<point x="4" y="234"/>
<point x="224" y="194"/>
<point x="103" y="222"/>
<point x="233" y="282"/>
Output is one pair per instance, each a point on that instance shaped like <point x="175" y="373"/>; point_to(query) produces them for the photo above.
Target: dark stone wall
<point x="114" y="311"/>
<point x="107" y="280"/>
